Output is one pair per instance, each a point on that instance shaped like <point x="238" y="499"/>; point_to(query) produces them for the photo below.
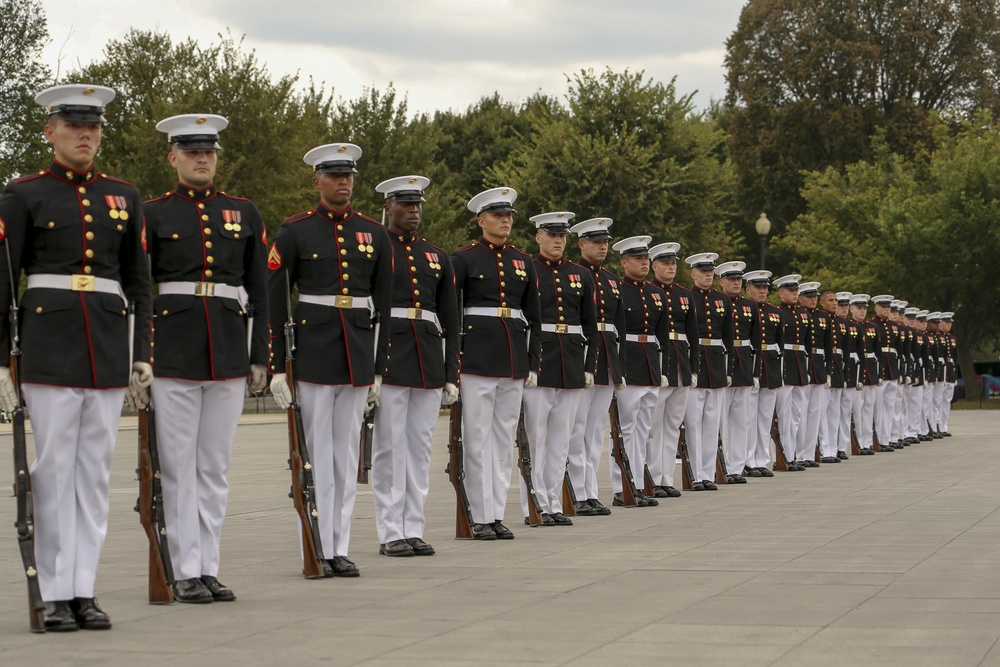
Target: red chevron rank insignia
<point x="274" y="258"/>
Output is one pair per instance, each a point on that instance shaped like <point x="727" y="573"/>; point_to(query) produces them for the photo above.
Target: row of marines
<point x="386" y="320"/>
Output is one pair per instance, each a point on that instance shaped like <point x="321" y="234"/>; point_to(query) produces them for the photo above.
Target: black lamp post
<point x="763" y="227"/>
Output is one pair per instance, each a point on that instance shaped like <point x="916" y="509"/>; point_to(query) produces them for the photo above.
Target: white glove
<point x="880" y="381"/>
<point x="664" y="382"/>
<point x="829" y="382"/>
<point x="137" y="395"/>
<point x="756" y="386"/>
<point x="450" y="394"/>
<point x="861" y="385"/>
<point x="729" y="380"/>
<point x="588" y="380"/>
<point x="373" y="393"/>
<point x="531" y="381"/>
<point x="281" y="391"/>
<point x="694" y="379"/>
<point x="907" y="380"/>
<point x="8" y="395"/>
<point x="258" y="378"/>
<point x="619" y="387"/>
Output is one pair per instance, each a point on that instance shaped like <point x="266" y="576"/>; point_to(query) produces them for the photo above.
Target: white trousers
<point x="549" y="414"/>
<point x="635" y="406"/>
<point x="915" y="412"/>
<point x="664" y="436"/>
<point x="490" y="410"/>
<point x="762" y="408"/>
<point x="332" y="416"/>
<point x="949" y="393"/>
<point x="817" y="399"/>
<point x="401" y="460"/>
<point x="885" y="408"/>
<point x="586" y="440"/>
<point x="938" y="405"/>
<point x="701" y="422"/>
<point x="927" y="409"/>
<point x="864" y="417"/>
<point x="195" y="426"/>
<point x="75" y="431"/>
<point x="899" y="414"/>
<point x="736" y="427"/>
<point x="791" y="405"/>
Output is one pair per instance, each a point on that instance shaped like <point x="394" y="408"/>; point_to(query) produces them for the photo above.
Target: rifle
<point x="149" y="505"/>
<point x="648" y="487"/>
<point x="524" y="463"/>
<point x="687" y="474"/>
<point x="721" y="469"/>
<point x="568" y="496"/>
<point x="855" y="449"/>
<point x="303" y="491"/>
<point x="621" y="456"/>
<point x="367" y="432"/>
<point x="456" y="473"/>
<point x="25" y="521"/>
<point x="780" y="462"/>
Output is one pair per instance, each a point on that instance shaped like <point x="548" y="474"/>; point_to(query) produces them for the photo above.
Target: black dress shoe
<point x="599" y="506"/>
<point x="746" y="471"/>
<point x="59" y="617"/>
<point x="736" y="479"/>
<point x="946" y="434"/>
<point x="923" y="437"/>
<point x="830" y="459"/>
<point x="645" y="501"/>
<point x="400" y="548"/>
<point x="753" y="472"/>
<point x="583" y="508"/>
<point x="868" y="451"/>
<point x="809" y="464"/>
<point x="420" y="548"/>
<point x="344" y="567"/>
<point x="501" y="531"/>
<point x="793" y="467"/>
<point x="886" y="448"/>
<point x="89" y="616"/>
<point x="544" y="520"/>
<point x="709" y="485"/>
<point x="842" y="456"/>
<point x="617" y="500"/>
<point x="764" y="472"/>
<point x="659" y="492"/>
<point x="220" y="592"/>
<point x="560" y="519"/>
<point x="697" y="486"/>
<point x="192" y="591"/>
<point x="483" y="531"/>
<point x="672" y="492"/>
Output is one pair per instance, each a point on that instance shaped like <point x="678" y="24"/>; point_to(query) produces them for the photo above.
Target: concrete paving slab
<point x="890" y="558"/>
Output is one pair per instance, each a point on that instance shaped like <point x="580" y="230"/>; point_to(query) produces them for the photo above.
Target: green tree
<point x="811" y="81"/>
<point x="23" y="35"/>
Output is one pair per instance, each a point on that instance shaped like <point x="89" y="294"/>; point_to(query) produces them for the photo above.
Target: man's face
<point x="334" y="189"/>
<point x="75" y="143"/>
<point x="757" y="292"/>
<point x="859" y="311"/>
<point x="842" y="309"/>
<point x="829" y="302"/>
<point x="195" y="168"/>
<point x="594" y="252"/>
<point x="911" y="322"/>
<point x="702" y="278"/>
<point x="921" y="325"/>
<point x="636" y="266"/>
<point x="496" y="225"/>
<point x="665" y="270"/>
<point x="882" y="311"/>
<point x="404" y="217"/>
<point x="808" y="300"/>
<point x="788" y="295"/>
<point x="731" y="286"/>
<point x="551" y="245"/>
<point x="946" y="326"/>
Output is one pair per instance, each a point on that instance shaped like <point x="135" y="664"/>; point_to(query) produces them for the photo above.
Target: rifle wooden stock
<point x="365" y="450"/>
<point x="780" y="462"/>
<point x="568" y="496"/>
<point x="621" y="456"/>
<point x="721" y="469"/>
<point x="855" y="448"/>
<point x="150" y="509"/>
<point x="524" y="464"/>
<point x="456" y="473"/>
<point x="648" y="488"/>
<point x="25" y="520"/>
<point x="687" y="474"/>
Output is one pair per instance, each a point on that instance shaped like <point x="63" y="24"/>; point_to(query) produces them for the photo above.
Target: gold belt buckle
<point x="83" y="283"/>
<point x="204" y="289"/>
<point x="601" y="326"/>
<point x="343" y="301"/>
<point x="562" y="328"/>
<point x="643" y="338"/>
<point x="414" y="314"/>
<point x="503" y="312"/>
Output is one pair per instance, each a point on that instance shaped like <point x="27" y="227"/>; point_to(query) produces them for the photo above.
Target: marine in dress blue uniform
<point x="792" y="399"/>
<point x="714" y="314"/>
<point x="887" y="349"/>
<point x="498" y="295"/>
<point x="566" y="295"/>
<point x="680" y="366"/>
<point x="843" y="376"/>
<point x="820" y="347"/>
<point x="950" y="361"/>
<point x="340" y="261"/>
<point x="767" y="369"/>
<point x="863" y="408"/>
<point x="590" y="424"/>
<point x="424" y="338"/>
<point x="208" y="256"/>
<point x="77" y="234"/>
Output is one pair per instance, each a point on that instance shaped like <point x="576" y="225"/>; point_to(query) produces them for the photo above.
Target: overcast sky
<point x="441" y="53"/>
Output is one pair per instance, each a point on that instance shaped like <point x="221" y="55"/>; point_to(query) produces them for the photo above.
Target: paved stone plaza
<point x="888" y="559"/>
